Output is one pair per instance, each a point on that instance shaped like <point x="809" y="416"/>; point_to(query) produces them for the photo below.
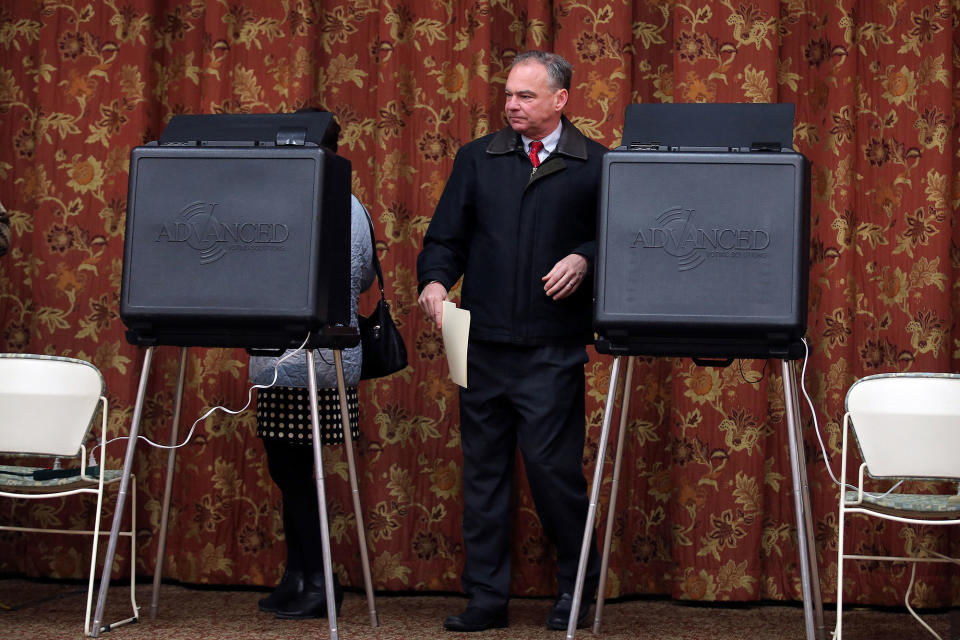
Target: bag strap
<point x="376" y="260"/>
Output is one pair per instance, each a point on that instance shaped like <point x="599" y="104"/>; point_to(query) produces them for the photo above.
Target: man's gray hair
<point x="559" y="70"/>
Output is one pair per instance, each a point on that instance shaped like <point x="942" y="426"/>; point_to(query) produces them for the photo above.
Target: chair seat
<point x="13" y="477"/>
<point x="917" y="505"/>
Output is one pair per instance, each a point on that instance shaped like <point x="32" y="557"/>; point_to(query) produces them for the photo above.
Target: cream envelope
<point x="456" y="332"/>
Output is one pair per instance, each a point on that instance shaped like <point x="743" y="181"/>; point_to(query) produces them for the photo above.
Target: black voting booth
<point x="238" y="235"/>
<point x="702" y="242"/>
<point x="702" y="252"/>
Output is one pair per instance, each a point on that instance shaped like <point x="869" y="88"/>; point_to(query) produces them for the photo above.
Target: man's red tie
<point x="535" y="147"/>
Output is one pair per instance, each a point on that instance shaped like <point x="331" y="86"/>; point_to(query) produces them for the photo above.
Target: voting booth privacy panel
<point x="238" y="232"/>
<point x="702" y="252"/>
<point x="238" y="235"/>
<point x="703" y="234"/>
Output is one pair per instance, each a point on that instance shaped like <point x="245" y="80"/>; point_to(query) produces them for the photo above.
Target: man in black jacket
<point x="517" y="220"/>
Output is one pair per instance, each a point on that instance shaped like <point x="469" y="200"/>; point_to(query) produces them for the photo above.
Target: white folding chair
<point x="907" y="427"/>
<point x="48" y="405"/>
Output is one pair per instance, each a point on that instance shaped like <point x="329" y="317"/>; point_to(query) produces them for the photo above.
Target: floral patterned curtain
<point x="705" y="506"/>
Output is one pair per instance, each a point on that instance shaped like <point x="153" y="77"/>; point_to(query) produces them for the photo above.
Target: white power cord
<point x="906" y="601"/>
<point x="276" y="374"/>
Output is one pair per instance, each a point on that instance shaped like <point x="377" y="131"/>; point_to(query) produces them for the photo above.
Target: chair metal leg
<point x="838" y="628"/>
<point x="96" y="520"/>
<point x="809" y="573"/>
<point x="168" y="485"/>
<point x="841" y="519"/>
<point x="594" y="497"/>
<point x="355" y="491"/>
<point x="122" y="492"/>
<point x="321" y="489"/>
<point x="132" y="534"/>
<point x="614" y="489"/>
<point x="93" y="569"/>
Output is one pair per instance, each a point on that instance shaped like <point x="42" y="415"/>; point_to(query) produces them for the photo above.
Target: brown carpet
<point x="44" y="611"/>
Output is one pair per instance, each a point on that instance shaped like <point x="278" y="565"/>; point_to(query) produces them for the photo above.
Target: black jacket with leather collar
<point x="502" y="227"/>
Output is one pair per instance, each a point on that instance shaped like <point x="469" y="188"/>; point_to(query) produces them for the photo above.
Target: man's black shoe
<point x="476" y="619"/>
<point x="560" y="615"/>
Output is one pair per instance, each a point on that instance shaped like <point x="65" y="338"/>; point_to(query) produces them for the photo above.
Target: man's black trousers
<point x="531" y="397"/>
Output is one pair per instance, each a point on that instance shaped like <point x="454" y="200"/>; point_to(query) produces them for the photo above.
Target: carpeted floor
<point x="45" y="610"/>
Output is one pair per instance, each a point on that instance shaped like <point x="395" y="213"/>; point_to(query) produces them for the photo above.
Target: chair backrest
<point x="47" y="403"/>
<point x="908" y="424"/>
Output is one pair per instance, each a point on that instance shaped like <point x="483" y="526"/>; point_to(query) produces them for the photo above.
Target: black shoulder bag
<point x="383" y="349"/>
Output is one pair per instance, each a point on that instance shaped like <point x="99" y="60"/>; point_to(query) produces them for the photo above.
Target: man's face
<point x="533" y="108"/>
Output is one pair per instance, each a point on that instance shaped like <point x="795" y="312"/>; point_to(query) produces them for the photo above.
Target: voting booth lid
<point x="704" y="126"/>
<point x="302" y="127"/>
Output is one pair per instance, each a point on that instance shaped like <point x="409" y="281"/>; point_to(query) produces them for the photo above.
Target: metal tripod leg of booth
<point x="809" y="573"/>
<point x="321" y="488"/>
<point x="122" y="493"/>
<point x="171" y="463"/>
<point x="614" y="490"/>
<point x="810" y="582"/>
<point x="355" y="491"/>
<point x="594" y="498"/>
<point x="168" y="485"/>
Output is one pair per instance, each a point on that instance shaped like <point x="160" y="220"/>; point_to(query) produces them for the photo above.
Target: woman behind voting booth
<point x="283" y="424"/>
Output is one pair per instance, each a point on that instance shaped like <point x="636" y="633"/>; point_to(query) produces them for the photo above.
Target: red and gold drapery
<point x="706" y="509"/>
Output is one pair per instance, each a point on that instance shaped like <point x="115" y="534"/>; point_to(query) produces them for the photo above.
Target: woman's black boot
<point x="312" y="602"/>
<point x="289" y="589"/>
